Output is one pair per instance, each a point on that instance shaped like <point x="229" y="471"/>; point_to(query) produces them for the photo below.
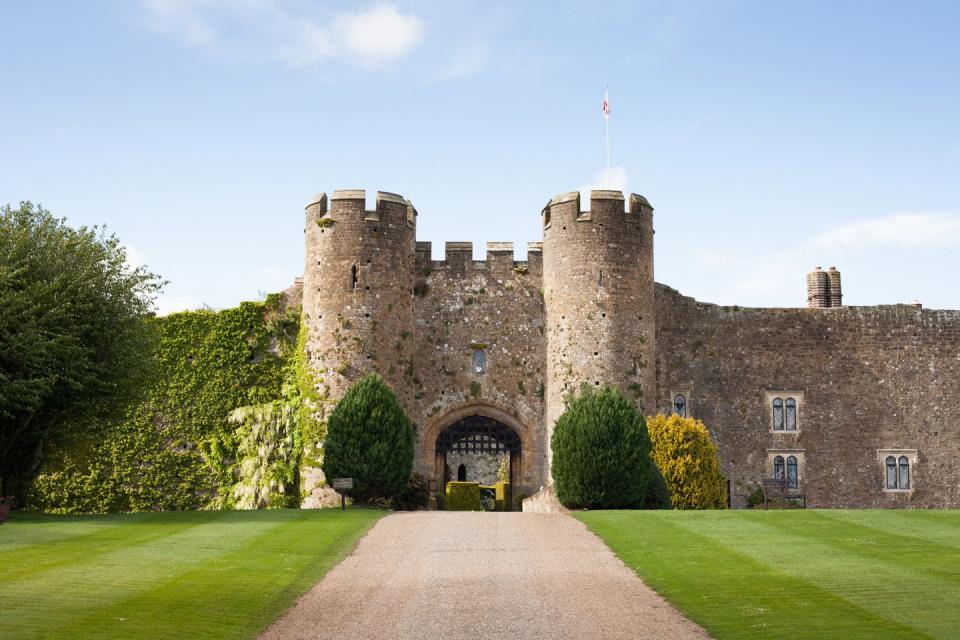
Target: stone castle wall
<point x="496" y="306"/>
<point x="868" y="379"/>
<point x="584" y="310"/>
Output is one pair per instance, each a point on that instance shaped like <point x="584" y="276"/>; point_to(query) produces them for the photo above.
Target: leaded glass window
<point x="793" y="480"/>
<point x="778" y="467"/>
<point x="891" y="472"/>
<point x="778" y="414"/>
<point x="791" y="414"/>
<point x="479" y="361"/>
<point x="904" y="473"/>
<point x="680" y="405"/>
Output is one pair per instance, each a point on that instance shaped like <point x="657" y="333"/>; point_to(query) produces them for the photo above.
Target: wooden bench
<point x="777" y="489"/>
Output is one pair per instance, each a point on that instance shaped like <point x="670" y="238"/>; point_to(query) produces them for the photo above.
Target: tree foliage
<point x="601" y="452"/>
<point x="73" y="341"/>
<point x="175" y="447"/>
<point x="689" y="462"/>
<point x="369" y="439"/>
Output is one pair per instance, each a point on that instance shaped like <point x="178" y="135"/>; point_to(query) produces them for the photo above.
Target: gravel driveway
<point x="437" y="574"/>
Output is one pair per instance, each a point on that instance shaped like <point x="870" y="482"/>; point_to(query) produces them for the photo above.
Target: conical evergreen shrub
<point x="601" y="452"/>
<point x="370" y="439"/>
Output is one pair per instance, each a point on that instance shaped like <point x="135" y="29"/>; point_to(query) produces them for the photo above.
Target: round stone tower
<point x="358" y="289"/>
<point x="599" y="299"/>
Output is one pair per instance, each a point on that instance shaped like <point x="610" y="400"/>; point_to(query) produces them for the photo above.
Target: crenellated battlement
<point x="344" y="203"/>
<point x="604" y="204"/>
<point x="458" y="258"/>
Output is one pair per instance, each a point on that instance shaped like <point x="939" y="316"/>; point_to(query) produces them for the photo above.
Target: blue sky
<point x="770" y="137"/>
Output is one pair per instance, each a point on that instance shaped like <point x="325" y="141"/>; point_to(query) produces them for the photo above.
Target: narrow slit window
<point x="791" y="414"/>
<point x="479" y="361"/>
<point x="778" y="414"/>
<point x="353" y="277"/>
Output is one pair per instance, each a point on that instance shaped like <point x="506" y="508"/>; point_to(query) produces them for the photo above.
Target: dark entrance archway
<point x="477" y="434"/>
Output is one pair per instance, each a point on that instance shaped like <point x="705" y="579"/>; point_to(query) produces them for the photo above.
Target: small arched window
<point x="891" y="472"/>
<point x="791" y="414"/>
<point x="462" y="473"/>
<point x="904" y="473"/>
<point x="479" y="361"/>
<point x="778" y="467"/>
<point x="680" y="405"/>
<point x="793" y="479"/>
<point x="778" y="414"/>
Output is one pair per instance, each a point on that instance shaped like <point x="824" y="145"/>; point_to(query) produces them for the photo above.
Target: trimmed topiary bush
<point x="688" y="460"/>
<point x="601" y="452"/>
<point x="369" y="439"/>
<point x="463" y="496"/>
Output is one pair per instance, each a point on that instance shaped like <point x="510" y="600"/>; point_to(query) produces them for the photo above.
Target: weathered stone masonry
<point x="584" y="310"/>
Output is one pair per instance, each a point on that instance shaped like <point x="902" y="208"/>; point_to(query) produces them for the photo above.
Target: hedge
<point x="463" y="496"/>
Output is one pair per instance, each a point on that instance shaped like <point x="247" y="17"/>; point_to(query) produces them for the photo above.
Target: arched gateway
<point x="476" y="448"/>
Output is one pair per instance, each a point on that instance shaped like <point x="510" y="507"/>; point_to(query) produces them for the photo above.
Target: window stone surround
<point x="799" y="454"/>
<point x="769" y="396"/>
<point x="911" y="455"/>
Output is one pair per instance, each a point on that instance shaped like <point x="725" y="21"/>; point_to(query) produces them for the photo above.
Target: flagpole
<point x="606" y="120"/>
<point x="608" y="151"/>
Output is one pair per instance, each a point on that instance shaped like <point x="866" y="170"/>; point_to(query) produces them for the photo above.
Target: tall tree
<point x="74" y="343"/>
<point x="369" y="439"/>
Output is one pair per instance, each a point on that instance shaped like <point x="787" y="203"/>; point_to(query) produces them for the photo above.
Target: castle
<point x="856" y="405"/>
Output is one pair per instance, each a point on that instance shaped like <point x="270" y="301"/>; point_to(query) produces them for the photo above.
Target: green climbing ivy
<point x="220" y="425"/>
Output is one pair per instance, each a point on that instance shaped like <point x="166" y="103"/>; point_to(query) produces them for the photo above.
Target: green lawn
<point x="798" y="573"/>
<point x="165" y="575"/>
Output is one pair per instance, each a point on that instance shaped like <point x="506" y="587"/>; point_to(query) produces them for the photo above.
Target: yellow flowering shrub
<point x="687" y="457"/>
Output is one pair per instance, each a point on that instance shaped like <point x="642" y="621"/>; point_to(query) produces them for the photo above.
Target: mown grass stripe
<point x="933" y="525"/>
<point x="264" y="576"/>
<point x="789" y="574"/>
<point x="874" y="576"/>
<point x="26" y="560"/>
<point x="199" y="574"/>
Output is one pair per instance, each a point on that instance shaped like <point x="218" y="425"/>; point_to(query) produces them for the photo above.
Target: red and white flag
<point x="606" y="104"/>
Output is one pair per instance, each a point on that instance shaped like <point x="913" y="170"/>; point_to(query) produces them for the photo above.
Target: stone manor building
<point x="856" y="405"/>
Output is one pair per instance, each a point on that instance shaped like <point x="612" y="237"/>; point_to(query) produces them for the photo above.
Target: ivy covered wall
<point x="221" y="424"/>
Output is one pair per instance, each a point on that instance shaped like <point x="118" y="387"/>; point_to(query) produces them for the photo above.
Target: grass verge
<point x="797" y="573"/>
<point x="224" y="574"/>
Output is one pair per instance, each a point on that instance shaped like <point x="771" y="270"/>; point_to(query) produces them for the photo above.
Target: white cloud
<point x="615" y="179"/>
<point x="378" y="35"/>
<point x="275" y="30"/>
<point x="907" y="230"/>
